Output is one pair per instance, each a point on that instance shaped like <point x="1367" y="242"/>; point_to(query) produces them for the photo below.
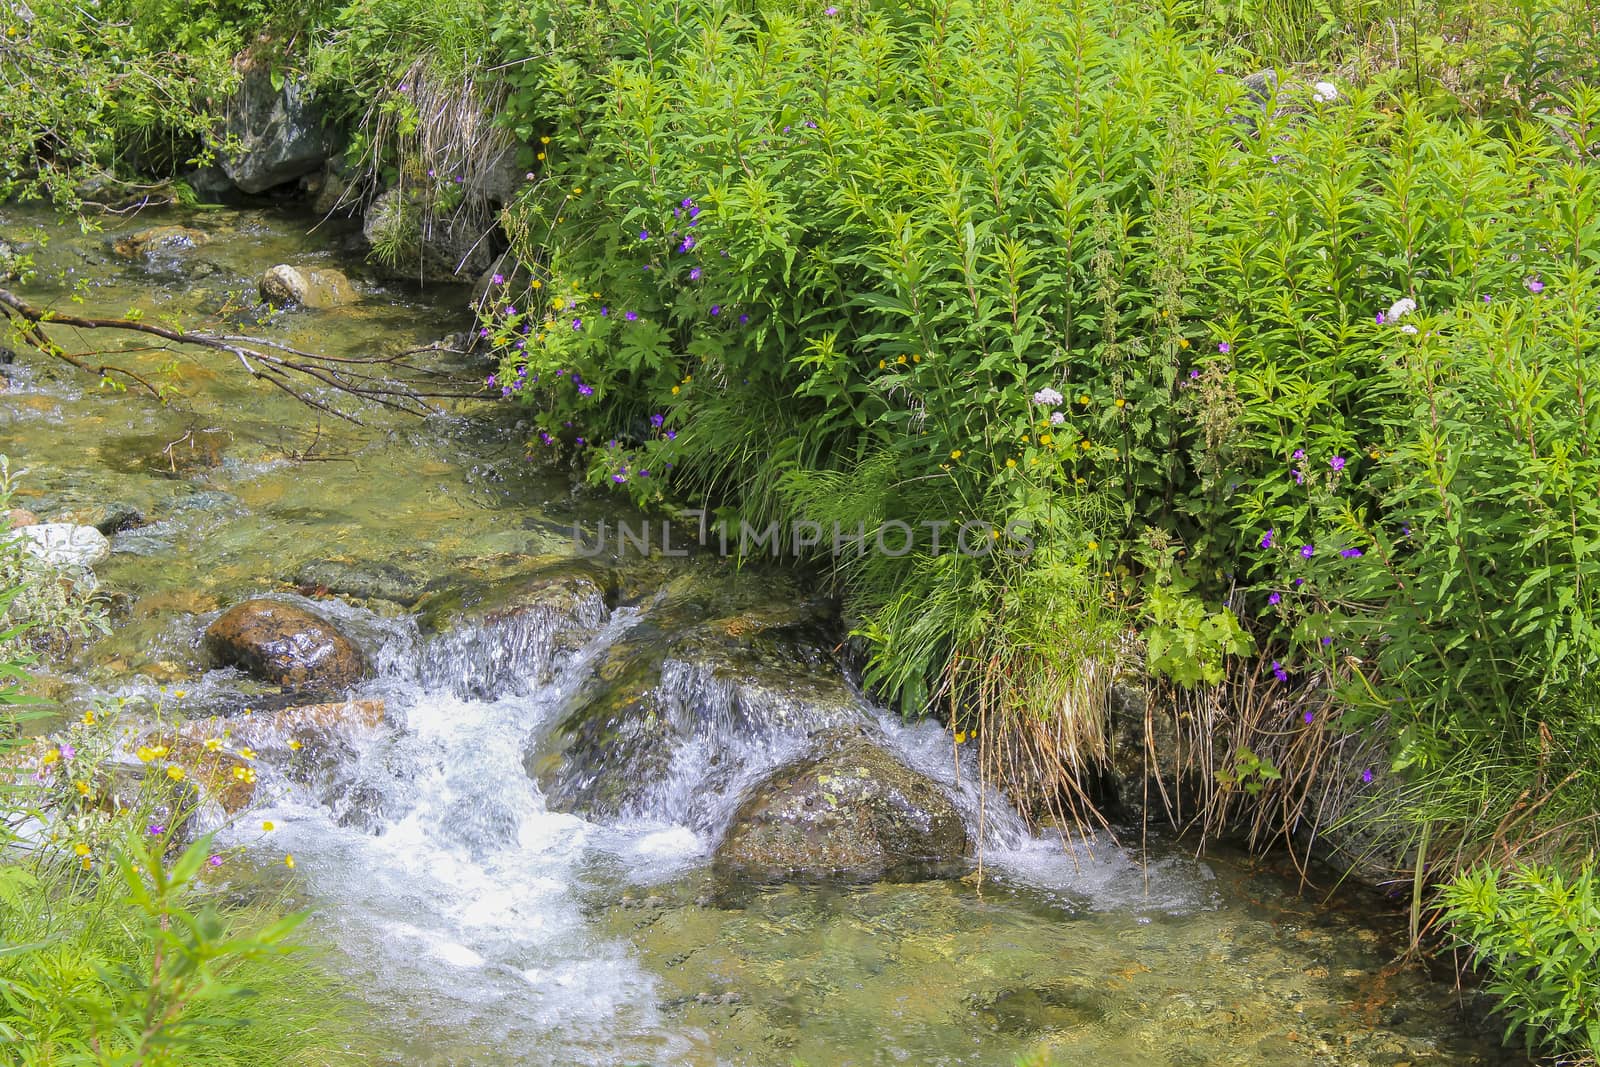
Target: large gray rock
<point x="284" y="285"/>
<point x="63" y="544"/>
<point x="285" y="644"/>
<point x="852" y="813"/>
<point x="277" y="134"/>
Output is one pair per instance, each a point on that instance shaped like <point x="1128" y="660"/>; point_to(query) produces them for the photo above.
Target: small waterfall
<point x="512" y="651"/>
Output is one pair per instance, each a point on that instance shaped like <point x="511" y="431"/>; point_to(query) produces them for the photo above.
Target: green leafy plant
<point x="1536" y="933"/>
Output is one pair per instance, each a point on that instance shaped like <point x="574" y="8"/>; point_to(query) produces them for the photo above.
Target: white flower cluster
<point x="1047" y="397"/>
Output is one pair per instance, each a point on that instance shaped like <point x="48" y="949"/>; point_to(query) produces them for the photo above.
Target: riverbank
<point x="1244" y="354"/>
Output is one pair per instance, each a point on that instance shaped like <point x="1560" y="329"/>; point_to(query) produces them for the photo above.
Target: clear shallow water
<point x="480" y="927"/>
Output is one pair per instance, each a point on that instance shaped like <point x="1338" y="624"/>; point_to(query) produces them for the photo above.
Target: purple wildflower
<point x="631" y="316"/>
<point x="155" y="829"/>
<point x="744" y="320"/>
<point x="1298" y="582"/>
<point x="1275" y="599"/>
<point x="604" y="311"/>
<point x="619" y="478"/>
<point x="1266" y="538"/>
<point x="1307" y="551"/>
<point x="672" y="435"/>
<point x="694" y="275"/>
<point x="67" y="751"/>
<point x="644" y="235"/>
<point x="489" y="381"/>
<point x="830" y="11"/>
<point x="1351" y="553"/>
<point x="1224" y="347"/>
<point x="657" y="419"/>
<point x="586" y="389"/>
<point x="215" y="861"/>
<point x="1309" y="718"/>
<point x="1380" y="318"/>
<point x="716" y="309"/>
<point x="577" y="324"/>
<point x="499" y="279"/>
<point x="1278" y="672"/>
<point x="1299" y="476"/>
<point x="1337" y="463"/>
<point x="1299" y="453"/>
<point x="1534" y="285"/>
<point x="1326" y="641"/>
<point x="688" y="244"/>
<point x="1366" y="775"/>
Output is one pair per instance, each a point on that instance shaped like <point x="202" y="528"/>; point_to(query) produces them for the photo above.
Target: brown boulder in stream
<point x="286" y="645"/>
<point x="852" y="813"/>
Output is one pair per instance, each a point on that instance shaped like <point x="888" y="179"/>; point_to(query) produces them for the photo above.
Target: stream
<point x="479" y="926"/>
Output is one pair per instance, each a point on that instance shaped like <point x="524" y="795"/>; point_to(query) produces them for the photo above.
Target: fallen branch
<point x="281" y="365"/>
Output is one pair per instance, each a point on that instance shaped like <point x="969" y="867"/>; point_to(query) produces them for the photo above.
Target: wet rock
<point x="483" y="641"/>
<point x="19" y="517"/>
<point x="284" y="285"/>
<point x="63" y="544"/>
<point x="159" y="241"/>
<point x="685" y="711"/>
<point x="414" y="246"/>
<point x="363" y="580"/>
<point x="853" y="813"/>
<point x="285" y="644"/>
<point x="107" y="518"/>
<point x="276" y="134"/>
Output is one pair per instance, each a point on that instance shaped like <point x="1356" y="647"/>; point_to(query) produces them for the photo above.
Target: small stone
<point x="17" y="518"/>
<point x="159" y="240"/>
<point x="284" y="285"/>
<point x="63" y="544"/>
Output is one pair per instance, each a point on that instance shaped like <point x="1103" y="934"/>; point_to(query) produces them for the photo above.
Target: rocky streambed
<point x="560" y="810"/>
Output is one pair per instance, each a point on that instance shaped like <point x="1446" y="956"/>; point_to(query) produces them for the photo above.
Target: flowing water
<point x="479" y="926"/>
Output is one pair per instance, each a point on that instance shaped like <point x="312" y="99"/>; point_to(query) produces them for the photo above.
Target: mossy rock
<point x="684" y="674"/>
<point x="852" y="813"/>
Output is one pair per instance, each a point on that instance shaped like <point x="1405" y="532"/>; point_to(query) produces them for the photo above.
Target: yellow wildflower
<point x="1084" y="399"/>
<point x="294" y="745"/>
<point x="961" y="737"/>
<point x="83" y="788"/>
<point x="539" y="156"/>
<point x="544" y="140"/>
<point x="88" y="718"/>
<point x="180" y="694"/>
<point x="51" y="756"/>
<point x="882" y="364"/>
<point x="1011" y="462"/>
<point x="674" y="390"/>
<point x="145" y="753"/>
<point x="1183" y="342"/>
<point x="176" y="773"/>
<point x="81" y="849"/>
<point x="1121" y="403"/>
<point x="900" y="359"/>
<point x="267" y="826"/>
<point x="537" y="284"/>
<point x="916" y="359"/>
<point x="578" y="191"/>
<point x="955" y="453"/>
<point x="559" y="303"/>
<point x="288" y="861"/>
<point x="213" y="743"/>
<point x="247" y="753"/>
<point x="1094" y="546"/>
